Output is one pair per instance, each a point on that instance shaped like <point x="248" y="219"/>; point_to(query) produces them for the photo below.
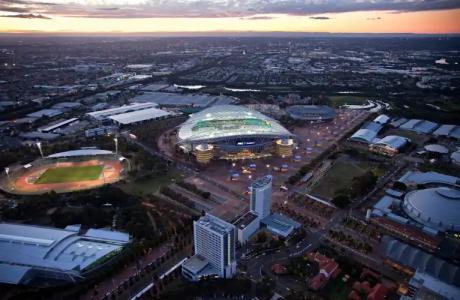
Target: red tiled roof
<point x="354" y="295"/>
<point x="318" y="281"/>
<point x="379" y="292"/>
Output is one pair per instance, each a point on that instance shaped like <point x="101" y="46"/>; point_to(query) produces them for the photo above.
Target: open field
<point x="336" y="101"/>
<point x="45" y="175"/>
<point x="339" y="177"/>
<point x="149" y="185"/>
<point x="70" y="174"/>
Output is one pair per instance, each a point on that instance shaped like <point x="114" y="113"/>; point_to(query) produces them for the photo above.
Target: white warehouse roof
<point x="103" y="114"/>
<point x="435" y="207"/>
<point x="139" y="116"/>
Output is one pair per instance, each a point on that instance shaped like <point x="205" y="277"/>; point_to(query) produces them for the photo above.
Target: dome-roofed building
<point x="434" y="207"/>
<point x="315" y="113"/>
<point x="455" y="157"/>
<point x="234" y="132"/>
<point x="436" y="148"/>
<point x="389" y="145"/>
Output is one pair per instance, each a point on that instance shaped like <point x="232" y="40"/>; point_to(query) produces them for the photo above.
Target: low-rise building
<point x="389" y="145"/>
<point x="33" y="255"/>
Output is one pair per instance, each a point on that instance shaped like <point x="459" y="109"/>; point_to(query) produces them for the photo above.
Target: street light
<point x="39" y="146"/>
<point x="115" y="139"/>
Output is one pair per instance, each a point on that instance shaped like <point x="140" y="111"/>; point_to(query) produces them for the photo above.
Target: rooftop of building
<point x="177" y="99"/>
<point x="195" y="264"/>
<point x="280" y="224"/>
<point x="102" y="114"/>
<point x="382" y="119"/>
<point x="436" y="148"/>
<point x="419" y="126"/>
<point x="420" y="260"/>
<point x="393" y="141"/>
<point x="416" y="177"/>
<point x="364" y="135"/>
<point x="34" y="247"/>
<point x="139" y="115"/>
<point x="245" y="220"/>
<point x="434" y="207"/>
<point x="261" y="181"/>
<point x="216" y="224"/>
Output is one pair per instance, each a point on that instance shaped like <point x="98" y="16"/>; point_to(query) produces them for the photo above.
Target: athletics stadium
<point x="233" y="132"/>
<point x="64" y="172"/>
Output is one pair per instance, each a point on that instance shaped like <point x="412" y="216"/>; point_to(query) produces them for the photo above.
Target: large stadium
<point x="66" y="172"/>
<point x="233" y="132"/>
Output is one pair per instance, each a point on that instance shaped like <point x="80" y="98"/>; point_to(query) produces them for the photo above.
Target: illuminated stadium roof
<point x="435" y="207"/>
<point x="228" y="121"/>
<point x="81" y="152"/>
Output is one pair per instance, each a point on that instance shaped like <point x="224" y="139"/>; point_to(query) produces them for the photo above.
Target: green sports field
<point x="70" y="174"/>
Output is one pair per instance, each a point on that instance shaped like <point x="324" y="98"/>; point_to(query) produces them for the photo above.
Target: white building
<point x="261" y="196"/>
<point x="214" y="249"/>
<point x="246" y="225"/>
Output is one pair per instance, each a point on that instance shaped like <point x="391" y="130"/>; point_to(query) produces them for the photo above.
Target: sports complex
<point x="66" y="172"/>
<point x="233" y="132"/>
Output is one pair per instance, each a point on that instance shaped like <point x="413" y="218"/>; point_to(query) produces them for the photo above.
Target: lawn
<point x="339" y="177"/>
<point x="151" y="185"/>
<point x="70" y="174"/>
<point x="336" y="101"/>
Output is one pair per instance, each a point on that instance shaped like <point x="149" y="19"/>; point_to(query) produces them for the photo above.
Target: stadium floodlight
<point x="39" y="146"/>
<point x="115" y="139"/>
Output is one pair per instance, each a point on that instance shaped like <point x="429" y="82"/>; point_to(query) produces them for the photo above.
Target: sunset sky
<point x="376" y="16"/>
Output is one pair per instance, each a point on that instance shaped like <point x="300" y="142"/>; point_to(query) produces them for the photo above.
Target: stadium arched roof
<point x="393" y="141"/>
<point x="420" y="260"/>
<point x="227" y="121"/>
<point x="364" y="135"/>
<point x="80" y="152"/>
<point x="435" y="207"/>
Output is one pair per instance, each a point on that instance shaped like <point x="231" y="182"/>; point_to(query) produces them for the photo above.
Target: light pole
<point x="115" y="139"/>
<point x="39" y="146"/>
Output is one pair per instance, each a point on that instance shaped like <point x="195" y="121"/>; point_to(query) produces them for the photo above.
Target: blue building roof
<point x="364" y="136"/>
<point x="372" y="126"/>
<point x="393" y="141"/>
<point x="415" y="177"/>
<point x="280" y="224"/>
<point x="50" y="250"/>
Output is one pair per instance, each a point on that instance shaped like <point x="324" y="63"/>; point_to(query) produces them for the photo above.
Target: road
<point x="261" y="264"/>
